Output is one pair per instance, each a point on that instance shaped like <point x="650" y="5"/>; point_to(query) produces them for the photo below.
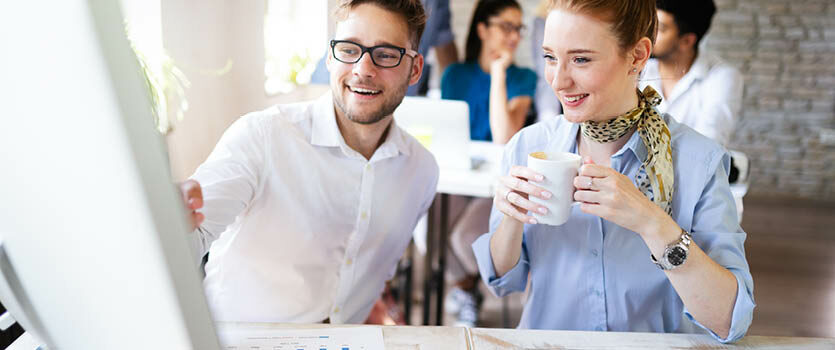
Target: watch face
<point x="676" y="256"/>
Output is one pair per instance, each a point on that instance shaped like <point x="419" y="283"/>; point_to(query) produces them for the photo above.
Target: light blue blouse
<point x="590" y="274"/>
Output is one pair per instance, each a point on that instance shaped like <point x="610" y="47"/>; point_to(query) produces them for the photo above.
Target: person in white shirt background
<point x="306" y="208"/>
<point x="546" y="103"/>
<point x="698" y="88"/>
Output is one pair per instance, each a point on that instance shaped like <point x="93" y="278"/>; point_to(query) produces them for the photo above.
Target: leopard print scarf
<point x="656" y="137"/>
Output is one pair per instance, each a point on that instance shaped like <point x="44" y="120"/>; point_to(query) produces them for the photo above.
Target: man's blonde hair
<point x="411" y="10"/>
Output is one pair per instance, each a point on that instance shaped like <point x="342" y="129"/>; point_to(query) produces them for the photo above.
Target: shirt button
<point x="594" y="252"/>
<point x="336" y="310"/>
<point x="368" y="167"/>
<point x="364" y="215"/>
<point x="348" y="262"/>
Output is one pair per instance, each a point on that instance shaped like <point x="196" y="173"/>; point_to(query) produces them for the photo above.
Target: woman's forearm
<point x="707" y="289"/>
<point x="500" y="123"/>
<point x="506" y="245"/>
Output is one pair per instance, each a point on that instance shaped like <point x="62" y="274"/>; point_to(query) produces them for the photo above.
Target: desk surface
<point x="424" y="337"/>
<point x="484" y="338"/>
<point x="394" y="337"/>
<point x="478" y="182"/>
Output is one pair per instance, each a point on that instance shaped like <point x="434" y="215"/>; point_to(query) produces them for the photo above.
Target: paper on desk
<point x="354" y="338"/>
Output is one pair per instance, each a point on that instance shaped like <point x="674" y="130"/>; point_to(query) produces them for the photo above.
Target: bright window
<point x="295" y="38"/>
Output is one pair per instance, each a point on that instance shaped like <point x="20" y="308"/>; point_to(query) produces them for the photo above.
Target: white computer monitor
<point x="442" y="126"/>
<point x="95" y="253"/>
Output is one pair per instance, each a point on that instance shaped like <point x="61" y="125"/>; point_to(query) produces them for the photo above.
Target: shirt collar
<point x="325" y="132"/>
<point x="698" y="71"/>
<point x="394" y="145"/>
<point x="700" y="67"/>
<point x="636" y="146"/>
<point x="566" y="141"/>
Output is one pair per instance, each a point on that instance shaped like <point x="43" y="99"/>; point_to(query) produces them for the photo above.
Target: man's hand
<point x="193" y="200"/>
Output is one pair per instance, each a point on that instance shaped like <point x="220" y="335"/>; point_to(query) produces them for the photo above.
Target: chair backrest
<point x="740" y="161"/>
<point x="740" y="169"/>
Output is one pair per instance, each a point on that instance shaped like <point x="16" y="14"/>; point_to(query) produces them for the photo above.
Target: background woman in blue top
<point x="649" y="187"/>
<point x="497" y="112"/>
<point x="499" y="95"/>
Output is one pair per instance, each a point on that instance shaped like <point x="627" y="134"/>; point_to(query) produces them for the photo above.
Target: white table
<point x="441" y="338"/>
<point x="504" y="339"/>
<point x="394" y="337"/>
<point x="478" y="182"/>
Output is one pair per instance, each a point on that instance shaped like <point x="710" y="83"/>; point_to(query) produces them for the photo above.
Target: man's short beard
<point x="662" y="56"/>
<point x="667" y="55"/>
<point x="389" y="105"/>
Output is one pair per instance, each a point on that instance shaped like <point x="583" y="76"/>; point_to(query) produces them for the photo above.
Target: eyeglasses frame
<point x="403" y="52"/>
<point x="520" y="29"/>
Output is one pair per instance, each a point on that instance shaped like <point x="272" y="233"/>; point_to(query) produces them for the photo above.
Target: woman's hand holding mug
<point x="545" y="188"/>
<point x="514" y="191"/>
<point x="610" y="195"/>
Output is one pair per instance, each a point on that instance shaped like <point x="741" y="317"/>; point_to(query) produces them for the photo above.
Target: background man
<point x="699" y="89"/>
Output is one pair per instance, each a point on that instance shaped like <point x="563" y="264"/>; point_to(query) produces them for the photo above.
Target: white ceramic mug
<point x="559" y="170"/>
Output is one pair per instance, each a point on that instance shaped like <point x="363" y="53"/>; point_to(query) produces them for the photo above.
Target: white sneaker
<point x="452" y="302"/>
<point x="465" y="305"/>
<point x="467" y="317"/>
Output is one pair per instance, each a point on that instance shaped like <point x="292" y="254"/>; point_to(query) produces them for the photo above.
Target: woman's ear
<point x="641" y="53"/>
<point x="481" y="28"/>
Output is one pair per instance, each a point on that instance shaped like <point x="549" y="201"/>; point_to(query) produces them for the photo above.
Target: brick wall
<point x="786" y="51"/>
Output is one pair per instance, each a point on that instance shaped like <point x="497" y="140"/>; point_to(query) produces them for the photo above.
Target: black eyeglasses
<point x="508" y="28"/>
<point x="385" y="56"/>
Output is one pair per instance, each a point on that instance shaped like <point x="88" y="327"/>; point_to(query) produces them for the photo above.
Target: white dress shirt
<point x="299" y="227"/>
<point x="708" y="98"/>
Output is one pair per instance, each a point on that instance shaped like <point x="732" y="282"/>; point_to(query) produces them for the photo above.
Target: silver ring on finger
<point x="591" y="182"/>
<point x="507" y="196"/>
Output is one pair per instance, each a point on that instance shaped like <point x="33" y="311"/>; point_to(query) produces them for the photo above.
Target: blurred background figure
<point x="545" y="101"/>
<point x="497" y="112"/>
<point x="437" y="35"/>
<point x="698" y="88"/>
<point x="500" y="96"/>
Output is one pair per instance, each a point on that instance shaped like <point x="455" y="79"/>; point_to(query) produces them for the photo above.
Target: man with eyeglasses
<point x="437" y="36"/>
<point x="309" y="206"/>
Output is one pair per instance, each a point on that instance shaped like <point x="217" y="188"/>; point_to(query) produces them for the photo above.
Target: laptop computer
<point x="442" y="126"/>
